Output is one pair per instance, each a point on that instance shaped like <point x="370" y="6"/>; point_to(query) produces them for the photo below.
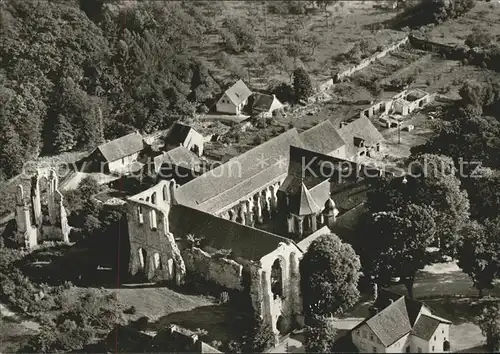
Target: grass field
<point x="484" y="15"/>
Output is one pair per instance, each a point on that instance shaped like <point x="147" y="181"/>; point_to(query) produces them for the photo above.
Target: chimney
<point x="173" y="328"/>
<point x="194" y="337"/>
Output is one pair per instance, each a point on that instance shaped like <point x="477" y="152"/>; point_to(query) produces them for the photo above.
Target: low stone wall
<point x="220" y="271"/>
<point x="366" y="62"/>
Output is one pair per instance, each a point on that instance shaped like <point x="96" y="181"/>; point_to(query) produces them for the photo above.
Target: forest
<point x="73" y="75"/>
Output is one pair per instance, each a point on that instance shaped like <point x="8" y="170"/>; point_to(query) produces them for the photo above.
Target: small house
<point x="399" y="324"/>
<point x="265" y="106"/>
<point x="234" y="99"/>
<point x="117" y="156"/>
<point x="361" y="137"/>
<point x="183" y="135"/>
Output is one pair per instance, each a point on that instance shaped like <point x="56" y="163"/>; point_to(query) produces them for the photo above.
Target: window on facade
<point x="374" y="349"/>
<point x="123" y="160"/>
<point x="364" y="334"/>
<point x="442" y="331"/>
<point x="434" y="337"/>
<point x="157" y="261"/>
<point x="371" y="337"/>
<point x="420" y="350"/>
<point x="432" y="349"/>
<point x="277" y="279"/>
<point x="408" y="349"/>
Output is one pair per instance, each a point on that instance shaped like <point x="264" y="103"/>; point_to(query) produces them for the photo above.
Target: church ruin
<point x="43" y="217"/>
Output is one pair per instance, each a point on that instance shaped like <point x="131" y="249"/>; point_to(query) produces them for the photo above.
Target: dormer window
<point x="358" y="142"/>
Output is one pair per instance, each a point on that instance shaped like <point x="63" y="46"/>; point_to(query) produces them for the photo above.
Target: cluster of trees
<point x="425" y="12"/>
<point x="70" y="79"/>
<point x="69" y="320"/>
<point x="329" y="273"/>
<point x="407" y="215"/>
<point x="78" y="323"/>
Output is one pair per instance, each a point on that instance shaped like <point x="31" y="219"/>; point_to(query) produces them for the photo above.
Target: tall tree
<point x="432" y="182"/>
<point x="329" y="273"/>
<point x="302" y="84"/>
<point x="395" y="244"/>
<point x="323" y="4"/>
<point x="483" y="188"/>
<point x="489" y="322"/>
<point x="479" y="253"/>
<point x="64" y="139"/>
<point x="320" y="335"/>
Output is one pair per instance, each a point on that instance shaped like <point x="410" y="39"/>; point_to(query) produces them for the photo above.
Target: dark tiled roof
<point x="240" y="176"/>
<point x="122" y="147"/>
<point x="322" y="138"/>
<point x="391" y="323"/>
<point x="386" y="297"/>
<point x="123" y="339"/>
<point x="398" y="317"/>
<point x="238" y="93"/>
<point x="178" y="134"/>
<point x="425" y="327"/>
<point x="244" y="241"/>
<point x="360" y="128"/>
<point x="179" y="156"/>
<point x="262" y="102"/>
<point x="176" y="339"/>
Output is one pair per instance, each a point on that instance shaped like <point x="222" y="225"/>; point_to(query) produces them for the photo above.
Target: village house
<point x="119" y="156"/>
<point x="265" y="106"/>
<point x="399" y="324"/>
<point x="183" y="135"/>
<point x="361" y="137"/>
<point x="325" y="139"/>
<point x="234" y="99"/>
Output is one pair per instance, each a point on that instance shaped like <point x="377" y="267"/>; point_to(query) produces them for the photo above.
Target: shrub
<point x="479" y="37"/>
<point x="130" y="311"/>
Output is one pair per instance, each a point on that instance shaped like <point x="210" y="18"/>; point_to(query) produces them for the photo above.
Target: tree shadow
<point x="222" y="322"/>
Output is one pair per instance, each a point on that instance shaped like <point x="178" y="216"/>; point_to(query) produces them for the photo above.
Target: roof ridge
<point x="246" y="153"/>
<point x="238" y="184"/>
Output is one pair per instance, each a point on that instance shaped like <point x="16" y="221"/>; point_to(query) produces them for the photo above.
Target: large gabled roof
<point x="360" y="128"/>
<point x="322" y="138"/>
<point x="238" y="93"/>
<point x="391" y="323"/>
<point x="122" y="147"/>
<point x="240" y="176"/>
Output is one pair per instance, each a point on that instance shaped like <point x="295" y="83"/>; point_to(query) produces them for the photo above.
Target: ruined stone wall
<point x="367" y="61"/>
<point x="30" y="219"/>
<point x="220" y="271"/>
<point x="154" y="253"/>
<point x="288" y="306"/>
